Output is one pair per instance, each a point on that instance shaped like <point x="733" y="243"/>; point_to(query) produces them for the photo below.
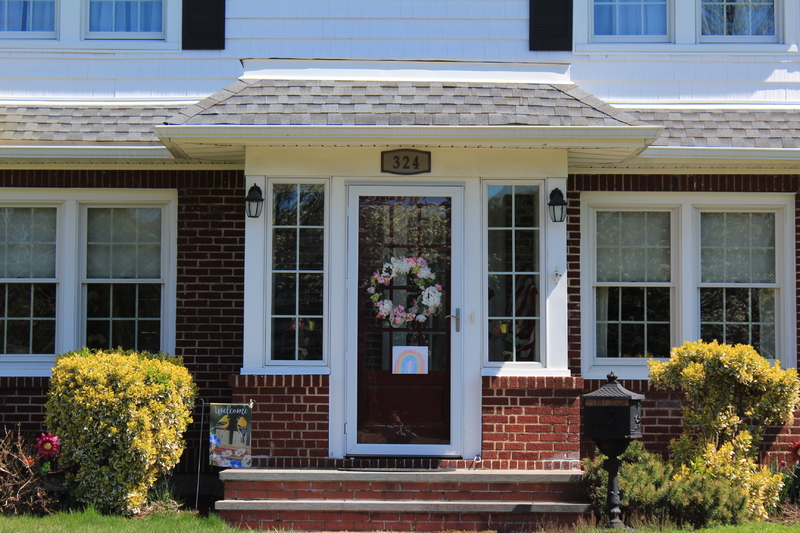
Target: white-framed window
<point x="123" y="285"/>
<point x="635" y="20"/>
<point x="28" y="18"/>
<point x="134" y="24"/>
<point x="524" y="295"/>
<point x="28" y="270"/>
<point x="126" y="19"/>
<point x="670" y="25"/>
<point x="721" y="19"/>
<point x="661" y="269"/>
<point x="513" y="272"/>
<point x="296" y="281"/>
<point x="84" y="268"/>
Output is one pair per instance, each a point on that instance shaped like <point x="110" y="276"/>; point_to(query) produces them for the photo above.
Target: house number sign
<point x="406" y="162"/>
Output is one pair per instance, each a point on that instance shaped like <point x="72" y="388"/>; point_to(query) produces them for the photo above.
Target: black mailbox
<point x="612" y="412"/>
<point x="612" y="418"/>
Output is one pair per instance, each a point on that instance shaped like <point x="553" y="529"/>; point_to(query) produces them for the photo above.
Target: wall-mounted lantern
<point x="557" y="206"/>
<point x="254" y="202"/>
<point x="612" y="418"/>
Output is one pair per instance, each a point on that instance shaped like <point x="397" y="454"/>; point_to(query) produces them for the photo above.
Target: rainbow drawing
<point x="409" y="360"/>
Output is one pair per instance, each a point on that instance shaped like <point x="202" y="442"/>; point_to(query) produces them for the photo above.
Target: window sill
<point x="27" y="369"/>
<point x="640" y="48"/>
<point x="92" y="45"/>
<point x="286" y="370"/>
<point x="524" y="370"/>
<point x="631" y="369"/>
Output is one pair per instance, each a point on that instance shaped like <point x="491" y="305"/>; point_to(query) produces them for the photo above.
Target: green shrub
<point x="121" y="416"/>
<point x="730" y="392"/>
<point x="649" y="490"/>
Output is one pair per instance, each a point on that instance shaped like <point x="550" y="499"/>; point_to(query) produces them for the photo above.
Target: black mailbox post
<point x="612" y="418"/>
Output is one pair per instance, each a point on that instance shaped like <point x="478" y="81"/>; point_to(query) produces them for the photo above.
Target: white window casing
<point x="73" y="30"/>
<point x="71" y="205"/>
<point x="684" y="33"/>
<point x="686" y="211"/>
<point x="259" y="288"/>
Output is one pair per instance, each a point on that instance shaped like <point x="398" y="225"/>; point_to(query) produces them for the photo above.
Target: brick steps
<point x="338" y="500"/>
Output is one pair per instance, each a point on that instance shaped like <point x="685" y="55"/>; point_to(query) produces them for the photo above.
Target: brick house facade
<point x="435" y="132"/>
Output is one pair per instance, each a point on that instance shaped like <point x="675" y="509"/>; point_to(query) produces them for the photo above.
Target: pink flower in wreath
<point x="47" y="445"/>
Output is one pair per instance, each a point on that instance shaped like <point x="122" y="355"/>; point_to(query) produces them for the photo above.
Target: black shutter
<point x="551" y="25"/>
<point x="203" y="24"/>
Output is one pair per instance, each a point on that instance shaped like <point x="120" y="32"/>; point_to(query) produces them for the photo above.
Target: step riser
<point x="389" y="521"/>
<point x="354" y="490"/>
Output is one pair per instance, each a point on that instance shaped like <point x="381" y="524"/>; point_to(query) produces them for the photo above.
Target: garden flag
<point x="229" y="439"/>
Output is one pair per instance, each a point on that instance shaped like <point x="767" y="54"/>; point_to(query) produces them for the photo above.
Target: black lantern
<point x="254" y="202"/>
<point x="557" y="205"/>
<point x="612" y="418"/>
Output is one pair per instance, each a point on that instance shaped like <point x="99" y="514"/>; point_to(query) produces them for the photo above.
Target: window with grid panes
<point x="738" y="282"/>
<point x="710" y="266"/>
<point x="297" y="271"/>
<point x="123" y="278"/>
<point x="633" y="285"/>
<point x="28" y="284"/>
<point x="514" y="235"/>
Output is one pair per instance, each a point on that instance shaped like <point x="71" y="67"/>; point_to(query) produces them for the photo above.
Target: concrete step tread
<point x="404" y="506"/>
<point x="423" y="476"/>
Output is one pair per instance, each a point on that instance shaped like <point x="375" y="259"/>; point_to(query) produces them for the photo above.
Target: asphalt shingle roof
<point x="389" y="103"/>
<point x="326" y="102"/>
<point x="715" y="128"/>
<point x="82" y="124"/>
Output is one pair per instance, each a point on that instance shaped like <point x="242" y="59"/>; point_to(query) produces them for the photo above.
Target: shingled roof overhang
<point x="348" y="113"/>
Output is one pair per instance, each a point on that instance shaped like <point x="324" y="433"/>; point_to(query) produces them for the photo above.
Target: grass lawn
<point x="91" y="521"/>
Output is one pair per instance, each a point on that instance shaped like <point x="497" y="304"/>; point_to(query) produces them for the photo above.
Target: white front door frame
<point x="456" y="446"/>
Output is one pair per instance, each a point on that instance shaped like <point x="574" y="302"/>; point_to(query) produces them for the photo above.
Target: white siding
<point x="477" y="30"/>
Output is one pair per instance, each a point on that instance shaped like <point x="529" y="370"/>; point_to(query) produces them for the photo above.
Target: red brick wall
<point x="22" y="401"/>
<point x="290" y="417"/>
<point x="210" y="277"/>
<point x="662" y="412"/>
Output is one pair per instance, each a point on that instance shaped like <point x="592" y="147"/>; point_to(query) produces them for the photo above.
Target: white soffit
<point x="607" y="143"/>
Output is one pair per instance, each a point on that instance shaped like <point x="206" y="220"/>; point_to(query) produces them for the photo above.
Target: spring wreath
<point x="418" y="273"/>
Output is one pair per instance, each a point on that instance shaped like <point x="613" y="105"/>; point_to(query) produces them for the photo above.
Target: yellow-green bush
<point x="121" y="416"/>
<point x="730" y="392"/>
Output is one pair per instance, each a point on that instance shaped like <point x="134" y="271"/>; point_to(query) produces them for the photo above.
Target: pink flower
<point x="47" y="445"/>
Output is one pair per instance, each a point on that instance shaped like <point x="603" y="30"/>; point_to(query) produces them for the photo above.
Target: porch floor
<point x="401" y="500"/>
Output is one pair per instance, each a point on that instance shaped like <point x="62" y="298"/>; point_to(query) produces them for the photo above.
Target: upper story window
<point x="685" y="22"/>
<point x="737" y="17"/>
<point x="28" y="17"/>
<point x="631" y="18"/>
<point x="113" y="24"/>
<point x="117" y="19"/>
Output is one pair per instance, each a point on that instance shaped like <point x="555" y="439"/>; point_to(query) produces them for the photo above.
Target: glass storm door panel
<point x="405" y="250"/>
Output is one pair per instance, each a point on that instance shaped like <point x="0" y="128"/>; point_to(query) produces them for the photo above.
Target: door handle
<point x="457" y="316"/>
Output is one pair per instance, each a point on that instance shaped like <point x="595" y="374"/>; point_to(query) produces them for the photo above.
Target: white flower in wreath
<point x="430" y="298"/>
